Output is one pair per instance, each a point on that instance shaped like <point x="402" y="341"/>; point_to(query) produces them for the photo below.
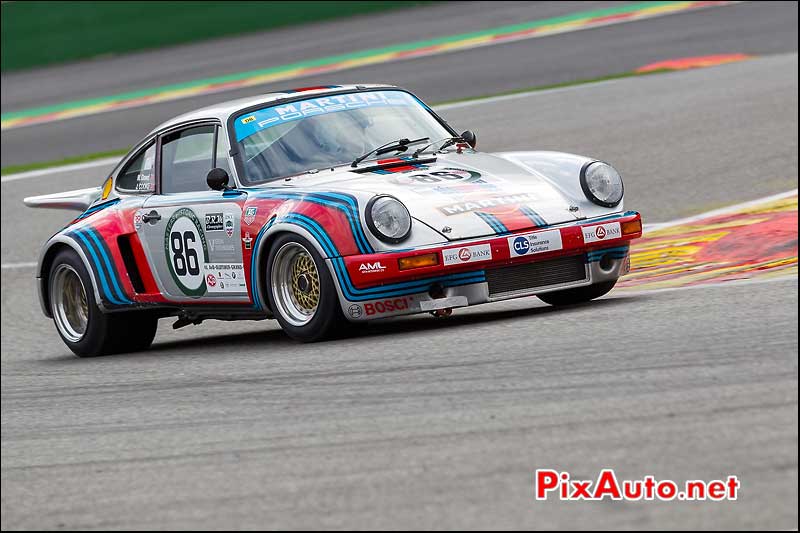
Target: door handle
<point x="152" y="216"/>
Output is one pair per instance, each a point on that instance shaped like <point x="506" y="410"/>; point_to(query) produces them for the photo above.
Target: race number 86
<point x="186" y="252"/>
<point x="184" y="256"/>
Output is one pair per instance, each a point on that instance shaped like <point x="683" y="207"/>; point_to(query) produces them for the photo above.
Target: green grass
<point x="41" y="33"/>
<point x="13" y="169"/>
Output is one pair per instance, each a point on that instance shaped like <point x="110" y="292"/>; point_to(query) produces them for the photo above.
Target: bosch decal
<point x="386" y="306"/>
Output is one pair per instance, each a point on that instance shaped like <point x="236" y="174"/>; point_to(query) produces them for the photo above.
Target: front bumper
<point x="485" y="270"/>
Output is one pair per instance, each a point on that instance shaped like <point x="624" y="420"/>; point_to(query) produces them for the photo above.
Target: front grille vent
<point x="530" y="276"/>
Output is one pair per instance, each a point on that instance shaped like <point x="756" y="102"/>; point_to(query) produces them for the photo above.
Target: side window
<point x="138" y="175"/>
<point x="186" y="157"/>
<point x="222" y="152"/>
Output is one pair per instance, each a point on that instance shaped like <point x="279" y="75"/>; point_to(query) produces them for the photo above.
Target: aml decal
<point x="757" y="241"/>
<point x="186" y="251"/>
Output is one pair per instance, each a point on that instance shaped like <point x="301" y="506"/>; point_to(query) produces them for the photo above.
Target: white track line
<point x="108" y="161"/>
<point x="622" y="292"/>
<point x="15" y="266"/>
<point x="721" y="211"/>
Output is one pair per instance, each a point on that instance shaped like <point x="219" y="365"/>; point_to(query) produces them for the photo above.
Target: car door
<point x="191" y="233"/>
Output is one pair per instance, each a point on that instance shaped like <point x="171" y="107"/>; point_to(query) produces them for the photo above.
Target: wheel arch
<point x="269" y="233"/>
<point x="46" y="258"/>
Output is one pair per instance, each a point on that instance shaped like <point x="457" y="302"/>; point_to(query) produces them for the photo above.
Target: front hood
<point x="461" y="196"/>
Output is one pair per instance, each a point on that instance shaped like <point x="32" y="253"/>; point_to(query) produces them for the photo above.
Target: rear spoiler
<point x="78" y="200"/>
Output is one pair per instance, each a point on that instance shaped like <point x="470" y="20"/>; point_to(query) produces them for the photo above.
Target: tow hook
<point x="442" y="313"/>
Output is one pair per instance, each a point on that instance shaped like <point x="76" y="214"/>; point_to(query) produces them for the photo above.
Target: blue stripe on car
<point x="98" y="267"/>
<point x="99" y="207"/>
<point x="344" y="202"/>
<point x="615" y="253"/>
<point x="112" y="272"/>
<point x="535" y="217"/>
<point x="498" y="227"/>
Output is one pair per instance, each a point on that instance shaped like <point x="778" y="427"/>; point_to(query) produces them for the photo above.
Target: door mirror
<point x="470" y="138"/>
<point x="217" y="179"/>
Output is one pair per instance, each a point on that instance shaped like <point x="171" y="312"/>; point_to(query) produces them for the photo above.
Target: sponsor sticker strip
<point x="467" y="254"/>
<point x="535" y="243"/>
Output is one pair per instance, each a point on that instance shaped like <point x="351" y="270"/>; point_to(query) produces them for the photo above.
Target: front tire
<point x="577" y="295"/>
<point x="301" y="293"/>
<point x="81" y="324"/>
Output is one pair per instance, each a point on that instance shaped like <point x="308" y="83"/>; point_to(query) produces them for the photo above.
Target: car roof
<point x="223" y="110"/>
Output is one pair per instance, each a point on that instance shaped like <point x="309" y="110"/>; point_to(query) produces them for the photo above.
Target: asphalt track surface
<point x="754" y="28"/>
<point x="426" y="423"/>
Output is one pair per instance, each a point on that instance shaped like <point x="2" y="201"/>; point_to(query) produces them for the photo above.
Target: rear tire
<point x="301" y="292"/>
<point x="81" y="324"/>
<point x="577" y="295"/>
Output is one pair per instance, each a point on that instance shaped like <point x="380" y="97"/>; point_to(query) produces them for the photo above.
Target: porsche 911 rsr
<point x="323" y="207"/>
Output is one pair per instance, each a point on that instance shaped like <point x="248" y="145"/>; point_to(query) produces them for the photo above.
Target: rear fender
<point x="47" y="255"/>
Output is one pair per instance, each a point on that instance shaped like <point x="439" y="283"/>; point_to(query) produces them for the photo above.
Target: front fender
<point x="562" y="170"/>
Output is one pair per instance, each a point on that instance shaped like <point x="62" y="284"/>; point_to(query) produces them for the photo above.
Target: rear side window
<point x="186" y="158"/>
<point x="139" y="174"/>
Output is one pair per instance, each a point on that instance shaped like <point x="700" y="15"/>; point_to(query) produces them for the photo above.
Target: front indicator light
<point x="418" y="261"/>
<point x="632" y="226"/>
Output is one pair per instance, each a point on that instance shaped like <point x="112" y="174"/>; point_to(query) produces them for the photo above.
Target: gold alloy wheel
<point x="295" y="284"/>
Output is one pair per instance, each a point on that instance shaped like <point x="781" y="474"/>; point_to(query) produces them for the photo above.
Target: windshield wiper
<point x="400" y="145"/>
<point x="448" y="141"/>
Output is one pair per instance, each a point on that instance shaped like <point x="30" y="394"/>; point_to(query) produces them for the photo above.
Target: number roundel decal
<point x="186" y="251"/>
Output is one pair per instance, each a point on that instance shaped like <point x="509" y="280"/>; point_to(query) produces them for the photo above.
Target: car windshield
<point x="324" y="132"/>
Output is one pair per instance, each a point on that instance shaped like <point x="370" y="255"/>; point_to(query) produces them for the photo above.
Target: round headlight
<point x="601" y="184"/>
<point x="388" y="219"/>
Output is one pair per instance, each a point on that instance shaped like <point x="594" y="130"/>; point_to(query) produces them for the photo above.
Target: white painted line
<point x="532" y="92"/>
<point x="722" y="211"/>
<point x="16" y="266"/>
<point x="108" y="161"/>
<point x="624" y="291"/>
